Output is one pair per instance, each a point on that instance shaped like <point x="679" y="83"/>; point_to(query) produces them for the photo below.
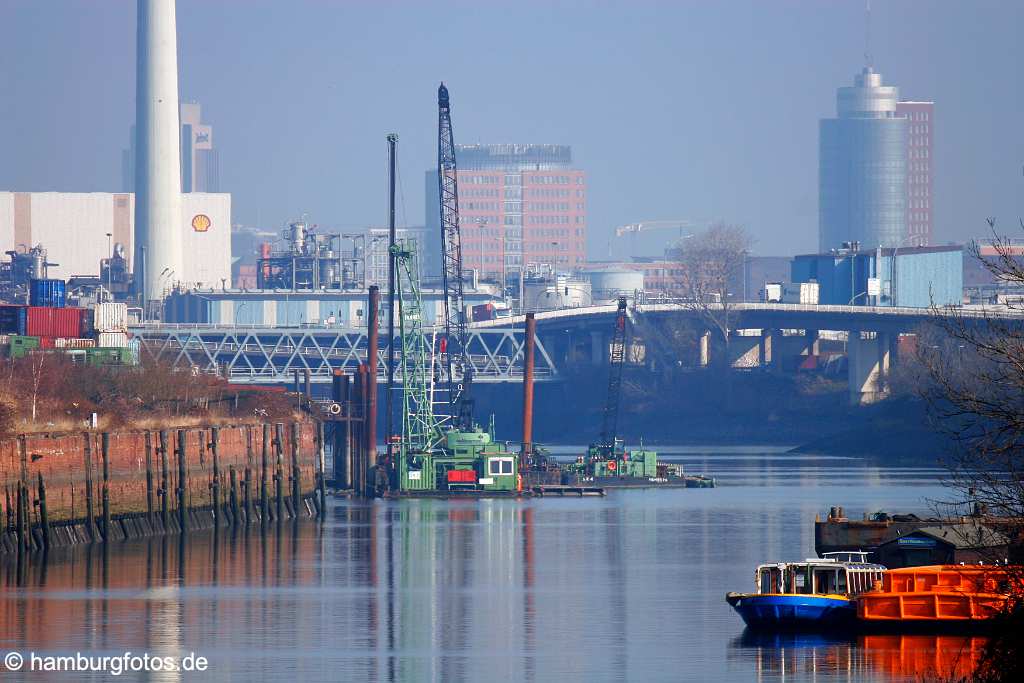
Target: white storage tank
<point x="561" y="292"/>
<point x="608" y="284"/>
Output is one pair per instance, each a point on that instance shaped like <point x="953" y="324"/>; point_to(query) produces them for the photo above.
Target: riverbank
<point x="68" y="488"/>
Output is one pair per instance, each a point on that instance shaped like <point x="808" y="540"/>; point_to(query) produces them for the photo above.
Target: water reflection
<point x="799" y="656"/>
<point x="626" y="587"/>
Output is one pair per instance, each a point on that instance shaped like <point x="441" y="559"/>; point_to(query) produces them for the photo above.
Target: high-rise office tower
<point x="518" y="205"/>
<point x="920" y="124"/>
<point x="862" y="175"/>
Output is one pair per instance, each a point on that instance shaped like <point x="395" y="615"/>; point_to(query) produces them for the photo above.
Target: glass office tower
<point x="862" y="174"/>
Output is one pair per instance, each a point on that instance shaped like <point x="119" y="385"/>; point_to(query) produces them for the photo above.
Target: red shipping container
<point x="54" y="322"/>
<point x="46" y="343"/>
<point x="462" y="476"/>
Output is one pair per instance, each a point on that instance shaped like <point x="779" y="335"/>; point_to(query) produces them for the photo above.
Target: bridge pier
<point x="744" y="350"/>
<point x="869" y="362"/>
<point x="598" y="349"/>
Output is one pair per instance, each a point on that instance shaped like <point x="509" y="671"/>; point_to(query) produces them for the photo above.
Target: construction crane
<point x="610" y="422"/>
<point x="454" y="352"/>
<point x="632" y="229"/>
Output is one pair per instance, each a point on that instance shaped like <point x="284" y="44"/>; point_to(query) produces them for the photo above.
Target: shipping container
<point x="47" y="343"/>
<point x="50" y="293"/>
<point x="110" y="317"/>
<point x="53" y="322"/>
<point x="800" y="293"/>
<point x="772" y="292"/>
<point x="112" y="340"/>
<point x="100" y="356"/>
<point x="9" y="319"/>
<point x="62" y="343"/>
<point x="22" y="345"/>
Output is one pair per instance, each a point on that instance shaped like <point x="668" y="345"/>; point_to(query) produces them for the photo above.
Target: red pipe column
<point x="373" y="343"/>
<point x="528" y="347"/>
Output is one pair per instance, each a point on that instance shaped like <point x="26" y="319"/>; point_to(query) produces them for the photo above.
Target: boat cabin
<point x="817" y="577"/>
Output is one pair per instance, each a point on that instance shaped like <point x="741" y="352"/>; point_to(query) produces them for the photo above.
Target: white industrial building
<point x="73" y="227"/>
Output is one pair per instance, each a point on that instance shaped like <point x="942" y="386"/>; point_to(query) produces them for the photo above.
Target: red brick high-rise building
<point x="919" y="171"/>
<point x="518" y="204"/>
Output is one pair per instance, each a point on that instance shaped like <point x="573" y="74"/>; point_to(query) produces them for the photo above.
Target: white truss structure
<point x="273" y="354"/>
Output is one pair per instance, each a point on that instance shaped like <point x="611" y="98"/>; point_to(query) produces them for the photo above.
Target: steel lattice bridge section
<point x="271" y="355"/>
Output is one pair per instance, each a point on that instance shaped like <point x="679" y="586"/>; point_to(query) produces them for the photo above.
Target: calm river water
<point x="627" y="587"/>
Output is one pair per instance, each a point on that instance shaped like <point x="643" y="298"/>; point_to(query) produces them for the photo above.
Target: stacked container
<point x="49" y="293"/>
<point x="37" y="321"/>
<point x="110" y="321"/>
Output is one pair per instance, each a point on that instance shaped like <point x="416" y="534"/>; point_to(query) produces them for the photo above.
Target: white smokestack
<point x="158" y="239"/>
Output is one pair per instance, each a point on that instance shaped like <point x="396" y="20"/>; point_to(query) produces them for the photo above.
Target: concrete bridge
<point x="776" y="337"/>
<point x="773" y="336"/>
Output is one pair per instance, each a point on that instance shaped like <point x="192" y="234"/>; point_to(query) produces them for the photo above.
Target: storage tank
<point x="608" y="284"/>
<point x="560" y="292"/>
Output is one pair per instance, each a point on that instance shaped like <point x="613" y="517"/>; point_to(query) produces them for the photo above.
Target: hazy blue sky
<point x="675" y="109"/>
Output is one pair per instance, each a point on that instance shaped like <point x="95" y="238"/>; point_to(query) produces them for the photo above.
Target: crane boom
<point x="455" y="332"/>
<point x="610" y="423"/>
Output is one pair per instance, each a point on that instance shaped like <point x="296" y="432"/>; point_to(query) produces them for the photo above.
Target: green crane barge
<point x="435" y="456"/>
<point x="607" y="463"/>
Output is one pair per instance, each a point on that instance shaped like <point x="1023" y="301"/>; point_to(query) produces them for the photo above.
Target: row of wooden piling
<point x="29" y="526"/>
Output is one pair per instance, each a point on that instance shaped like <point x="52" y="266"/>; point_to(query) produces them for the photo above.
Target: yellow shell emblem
<point x="201" y="222"/>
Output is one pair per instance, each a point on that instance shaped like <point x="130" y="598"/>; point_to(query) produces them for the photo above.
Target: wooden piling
<point x="21" y="526"/>
<point x="215" y="490"/>
<point x="278" y="470"/>
<point x="182" y="481"/>
<point x="321" y="458"/>
<point x="264" y="503"/>
<point x="296" y="472"/>
<point x="247" y="480"/>
<point x="90" y="512"/>
<point x="165" y="504"/>
<point x="44" y="518"/>
<point x="234" y="496"/>
<point x="105" y="452"/>
<point x="150" y="500"/>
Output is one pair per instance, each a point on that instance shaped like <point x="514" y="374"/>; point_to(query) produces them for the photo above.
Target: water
<point x="630" y="586"/>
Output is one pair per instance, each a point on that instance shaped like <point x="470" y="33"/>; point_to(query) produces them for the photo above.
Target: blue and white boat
<point x="816" y="593"/>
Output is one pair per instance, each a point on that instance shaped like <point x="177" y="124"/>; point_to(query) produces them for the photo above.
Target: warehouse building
<point x="286" y="308"/>
<point x="80" y="228"/>
<point x="916" y="277"/>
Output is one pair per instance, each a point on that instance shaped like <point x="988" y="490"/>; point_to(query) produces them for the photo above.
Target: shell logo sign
<point x="201" y="222"/>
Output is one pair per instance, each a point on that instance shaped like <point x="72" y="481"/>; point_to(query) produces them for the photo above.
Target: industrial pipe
<point x="528" y="345"/>
<point x="373" y="343"/>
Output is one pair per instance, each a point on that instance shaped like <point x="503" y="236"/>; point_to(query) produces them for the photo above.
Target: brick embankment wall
<point x="206" y="477"/>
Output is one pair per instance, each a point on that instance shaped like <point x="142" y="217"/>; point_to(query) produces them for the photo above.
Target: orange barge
<point x="941" y="595"/>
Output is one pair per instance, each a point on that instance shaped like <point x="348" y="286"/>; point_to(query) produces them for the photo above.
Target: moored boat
<point x="815" y="593"/>
<point x="941" y="595"/>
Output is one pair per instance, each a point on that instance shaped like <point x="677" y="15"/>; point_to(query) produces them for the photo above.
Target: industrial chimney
<point x="158" y="250"/>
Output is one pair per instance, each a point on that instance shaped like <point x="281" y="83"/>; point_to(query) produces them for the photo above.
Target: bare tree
<point x="975" y="388"/>
<point x="37" y="361"/>
<point x="710" y="263"/>
<point x="973" y="381"/>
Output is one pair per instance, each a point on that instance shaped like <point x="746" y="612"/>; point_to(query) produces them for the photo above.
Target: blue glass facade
<point x="862" y="173"/>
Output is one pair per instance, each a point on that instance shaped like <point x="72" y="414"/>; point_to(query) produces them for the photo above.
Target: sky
<point x="676" y="110"/>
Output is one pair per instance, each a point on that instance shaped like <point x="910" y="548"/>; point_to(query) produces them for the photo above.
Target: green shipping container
<point x="21" y="345"/>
